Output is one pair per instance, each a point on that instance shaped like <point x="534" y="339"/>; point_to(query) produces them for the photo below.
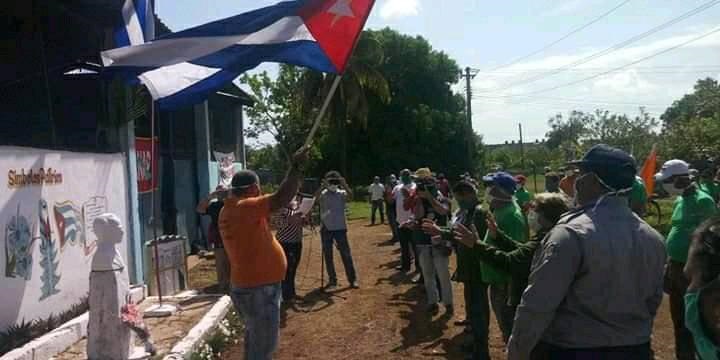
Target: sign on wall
<point x="226" y="167"/>
<point x="47" y="206"/>
<point x="145" y="171"/>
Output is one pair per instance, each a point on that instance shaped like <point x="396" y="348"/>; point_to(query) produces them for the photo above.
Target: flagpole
<point x="323" y="109"/>
<point x="152" y="201"/>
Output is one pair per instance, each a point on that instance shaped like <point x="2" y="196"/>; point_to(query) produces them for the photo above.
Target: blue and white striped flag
<point x="138" y="23"/>
<point x="183" y="68"/>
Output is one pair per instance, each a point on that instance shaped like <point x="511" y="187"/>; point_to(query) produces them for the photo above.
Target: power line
<point x="648" y="70"/>
<point x="619" y="67"/>
<point x="569" y="100"/>
<point x="571" y="33"/>
<point x="615" y="47"/>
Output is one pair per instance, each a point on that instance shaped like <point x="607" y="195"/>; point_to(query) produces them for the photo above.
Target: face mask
<point x="405" y="179"/>
<point x="333" y="188"/>
<point x="293" y="204"/>
<point x="534" y="221"/>
<point x="672" y="189"/>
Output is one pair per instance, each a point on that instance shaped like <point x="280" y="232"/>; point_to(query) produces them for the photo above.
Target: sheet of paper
<point x="306" y="205"/>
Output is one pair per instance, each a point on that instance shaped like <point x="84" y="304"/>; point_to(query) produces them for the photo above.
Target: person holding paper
<point x="289" y="224"/>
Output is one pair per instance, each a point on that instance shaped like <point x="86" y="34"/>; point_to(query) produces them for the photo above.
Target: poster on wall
<point x="226" y="167"/>
<point x="143" y="150"/>
<point x="47" y="206"/>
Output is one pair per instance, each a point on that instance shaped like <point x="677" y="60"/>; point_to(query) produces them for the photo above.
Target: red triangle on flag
<point x="336" y="25"/>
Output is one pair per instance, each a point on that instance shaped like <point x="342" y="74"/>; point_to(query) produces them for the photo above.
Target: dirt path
<point x="385" y="318"/>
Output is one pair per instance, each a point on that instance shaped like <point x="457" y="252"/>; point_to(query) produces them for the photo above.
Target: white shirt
<point x="403" y="215"/>
<point x="377" y="191"/>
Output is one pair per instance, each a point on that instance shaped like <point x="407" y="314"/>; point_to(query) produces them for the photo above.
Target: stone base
<point x="158" y="310"/>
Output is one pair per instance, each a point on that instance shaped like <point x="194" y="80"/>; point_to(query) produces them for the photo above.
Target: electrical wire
<point x="662" y="52"/>
<point x="571" y="33"/>
<point x="567" y="100"/>
<point x="615" y="47"/>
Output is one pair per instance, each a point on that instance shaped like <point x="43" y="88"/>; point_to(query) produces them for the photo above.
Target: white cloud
<point x="654" y="83"/>
<point x="399" y="8"/>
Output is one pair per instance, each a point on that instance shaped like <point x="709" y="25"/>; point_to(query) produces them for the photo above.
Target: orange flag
<point x="648" y="171"/>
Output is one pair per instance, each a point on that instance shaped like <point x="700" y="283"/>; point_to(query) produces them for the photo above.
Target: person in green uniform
<point x="544" y="212"/>
<point x="702" y="300"/>
<point x="499" y="195"/>
<point x="522" y="195"/>
<point x="691" y="208"/>
<point x="638" y="197"/>
<point x="707" y="184"/>
<point x="471" y="215"/>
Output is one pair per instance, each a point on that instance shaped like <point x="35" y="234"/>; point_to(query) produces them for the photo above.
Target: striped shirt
<point x="289" y="228"/>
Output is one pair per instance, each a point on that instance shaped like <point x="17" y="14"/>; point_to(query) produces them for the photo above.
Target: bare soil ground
<point x="385" y="319"/>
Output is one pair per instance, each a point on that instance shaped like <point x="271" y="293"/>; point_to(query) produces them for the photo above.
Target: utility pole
<point x="469" y="75"/>
<point x="522" y="148"/>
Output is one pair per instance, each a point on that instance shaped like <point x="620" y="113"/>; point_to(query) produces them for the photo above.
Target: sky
<point x="484" y="35"/>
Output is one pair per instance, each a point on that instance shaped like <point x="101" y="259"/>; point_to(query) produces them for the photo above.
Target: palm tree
<point x="350" y="105"/>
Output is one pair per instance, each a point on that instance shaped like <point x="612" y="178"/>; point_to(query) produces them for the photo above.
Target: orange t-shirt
<point x="256" y="257"/>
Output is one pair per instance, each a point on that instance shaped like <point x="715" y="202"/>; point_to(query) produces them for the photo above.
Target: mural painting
<point x="19" y="243"/>
<point x="49" y="252"/>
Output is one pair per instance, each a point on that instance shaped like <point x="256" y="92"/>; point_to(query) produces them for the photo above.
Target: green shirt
<point x="468" y="265"/>
<point x="689" y="211"/>
<point x="693" y="321"/>
<point x="638" y="194"/>
<point x="510" y="221"/>
<point x="523" y="197"/>
<point x="711" y="188"/>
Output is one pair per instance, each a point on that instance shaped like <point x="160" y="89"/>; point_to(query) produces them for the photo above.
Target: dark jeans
<point x="676" y="286"/>
<point x="339" y="237"/>
<point x="392" y="220"/>
<point x="545" y="351"/>
<point x="504" y="313"/>
<point x="378" y="205"/>
<point x="408" y="249"/>
<point x="478" y="308"/>
<point x="293" y="253"/>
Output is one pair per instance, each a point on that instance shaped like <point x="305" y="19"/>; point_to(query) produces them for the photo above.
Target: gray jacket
<point x="596" y="281"/>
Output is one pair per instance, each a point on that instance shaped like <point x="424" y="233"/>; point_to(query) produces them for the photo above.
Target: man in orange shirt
<point x="257" y="261"/>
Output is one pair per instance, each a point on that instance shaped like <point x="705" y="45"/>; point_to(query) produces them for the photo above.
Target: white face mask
<point x="533" y="221"/>
<point x="672" y="189"/>
<point x="333" y="188"/>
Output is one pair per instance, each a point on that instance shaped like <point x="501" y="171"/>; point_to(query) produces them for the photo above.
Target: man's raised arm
<point x="290" y="185"/>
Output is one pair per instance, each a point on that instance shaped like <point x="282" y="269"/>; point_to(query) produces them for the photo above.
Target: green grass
<point x="358" y="210"/>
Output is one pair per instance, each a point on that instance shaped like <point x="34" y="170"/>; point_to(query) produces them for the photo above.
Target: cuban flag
<point x="183" y="68"/>
<point x="68" y="225"/>
<point x="137" y="25"/>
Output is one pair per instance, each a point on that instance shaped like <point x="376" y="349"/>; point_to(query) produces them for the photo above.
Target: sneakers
<point x="331" y="285"/>
<point x="354" y="285"/>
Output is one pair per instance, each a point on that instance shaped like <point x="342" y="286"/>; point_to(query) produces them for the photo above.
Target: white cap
<point x="672" y="168"/>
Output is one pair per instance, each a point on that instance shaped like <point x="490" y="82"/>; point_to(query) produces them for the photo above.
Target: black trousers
<point x="408" y="249"/>
<point x="545" y="351"/>
<point x="378" y="205"/>
<point x="293" y="252"/>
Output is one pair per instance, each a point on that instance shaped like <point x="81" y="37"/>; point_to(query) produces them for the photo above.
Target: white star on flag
<point x="341" y="9"/>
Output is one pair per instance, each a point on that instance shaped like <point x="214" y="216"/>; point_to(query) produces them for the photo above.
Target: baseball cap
<point x="502" y="180"/>
<point x="520" y="179"/>
<point x="672" y="168"/>
<point x="615" y="167"/>
<point x="423" y="173"/>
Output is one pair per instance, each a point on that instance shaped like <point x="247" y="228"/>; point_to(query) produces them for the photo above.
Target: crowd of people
<point x="571" y="273"/>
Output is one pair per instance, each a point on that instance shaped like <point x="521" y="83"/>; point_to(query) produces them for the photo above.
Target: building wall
<point x="47" y="241"/>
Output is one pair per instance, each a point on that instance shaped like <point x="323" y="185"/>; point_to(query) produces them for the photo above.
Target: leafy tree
<point x="704" y="102"/>
<point x="692" y="139"/>
<point x="350" y="104"/>
<point x="278" y="109"/>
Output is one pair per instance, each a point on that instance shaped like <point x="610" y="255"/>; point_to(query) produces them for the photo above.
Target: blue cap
<point x="502" y="180"/>
<point x="614" y="166"/>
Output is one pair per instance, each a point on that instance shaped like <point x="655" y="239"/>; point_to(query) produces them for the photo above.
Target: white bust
<point x="109" y="233"/>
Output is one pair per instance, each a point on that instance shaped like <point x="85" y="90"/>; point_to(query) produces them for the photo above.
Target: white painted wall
<point x="91" y="183"/>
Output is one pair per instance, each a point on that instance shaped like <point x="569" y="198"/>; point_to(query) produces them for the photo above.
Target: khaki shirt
<point x="596" y="281"/>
